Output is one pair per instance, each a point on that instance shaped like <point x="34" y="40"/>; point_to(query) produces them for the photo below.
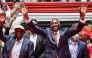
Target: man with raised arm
<point x="57" y="39"/>
<point x="16" y="46"/>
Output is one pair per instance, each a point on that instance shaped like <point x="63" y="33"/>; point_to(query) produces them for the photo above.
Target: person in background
<point x="19" y="19"/>
<point x="86" y="35"/>
<point x="5" y="9"/>
<point x="77" y="48"/>
<point x="39" y="42"/>
<point x="16" y="46"/>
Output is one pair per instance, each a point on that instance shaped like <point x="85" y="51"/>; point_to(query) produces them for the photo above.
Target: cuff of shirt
<point x="27" y="21"/>
<point x="83" y="21"/>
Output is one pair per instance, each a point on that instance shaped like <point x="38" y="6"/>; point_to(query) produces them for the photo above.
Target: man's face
<point x="19" y="33"/>
<point x="54" y="25"/>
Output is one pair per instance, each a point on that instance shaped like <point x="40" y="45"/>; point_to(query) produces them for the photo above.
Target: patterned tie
<point x="55" y="38"/>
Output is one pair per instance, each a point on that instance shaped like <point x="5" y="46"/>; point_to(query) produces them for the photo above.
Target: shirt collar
<point x="20" y="41"/>
<point x="57" y="32"/>
<point x="70" y="42"/>
<point x="33" y="34"/>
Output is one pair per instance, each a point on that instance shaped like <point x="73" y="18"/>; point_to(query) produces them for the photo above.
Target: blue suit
<point x="51" y="49"/>
<point x="27" y="48"/>
<point x="82" y="51"/>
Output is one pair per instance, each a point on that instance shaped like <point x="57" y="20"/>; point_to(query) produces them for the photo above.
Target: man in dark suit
<point x="56" y="39"/>
<point x="39" y="42"/>
<point x="77" y="48"/>
<point x="16" y="46"/>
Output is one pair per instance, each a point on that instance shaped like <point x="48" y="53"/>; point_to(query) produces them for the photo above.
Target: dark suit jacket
<point x="40" y="45"/>
<point x="82" y="51"/>
<point x="27" y="49"/>
<point x="51" y="49"/>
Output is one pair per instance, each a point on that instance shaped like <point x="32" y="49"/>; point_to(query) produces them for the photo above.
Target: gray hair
<point x="56" y="20"/>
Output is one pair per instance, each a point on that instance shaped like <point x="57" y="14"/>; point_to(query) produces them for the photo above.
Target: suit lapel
<point x="28" y="35"/>
<point x="23" y="46"/>
<point x="12" y="44"/>
<point x="52" y="35"/>
<point x="37" y="41"/>
<point x="79" y="47"/>
<point x="59" y="38"/>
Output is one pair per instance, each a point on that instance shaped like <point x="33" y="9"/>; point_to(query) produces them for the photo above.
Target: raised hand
<point x="24" y="11"/>
<point x="2" y="18"/>
<point x="23" y="8"/>
<point x="82" y="10"/>
<point x="17" y="5"/>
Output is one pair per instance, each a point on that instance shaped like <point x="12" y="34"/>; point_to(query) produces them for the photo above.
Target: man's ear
<point x="59" y="25"/>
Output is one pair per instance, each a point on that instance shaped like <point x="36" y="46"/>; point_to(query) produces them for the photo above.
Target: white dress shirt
<point x="33" y="38"/>
<point x="19" y="20"/>
<point x="15" y="52"/>
<point x="73" y="47"/>
<point x="8" y="18"/>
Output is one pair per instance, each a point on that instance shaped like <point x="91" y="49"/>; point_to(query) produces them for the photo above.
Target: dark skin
<point x="55" y="25"/>
<point x="19" y="33"/>
<point x="36" y="23"/>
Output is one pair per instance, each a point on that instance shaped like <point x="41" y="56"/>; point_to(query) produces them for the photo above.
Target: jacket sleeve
<point x="75" y="30"/>
<point x="7" y="31"/>
<point x="3" y="37"/>
<point x="31" y="50"/>
<point x="86" y="54"/>
<point x="37" y="29"/>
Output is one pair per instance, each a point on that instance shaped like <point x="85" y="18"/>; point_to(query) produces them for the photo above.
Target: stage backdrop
<point x="66" y="12"/>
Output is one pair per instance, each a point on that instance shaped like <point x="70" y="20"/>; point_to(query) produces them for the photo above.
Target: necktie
<point x="55" y="38"/>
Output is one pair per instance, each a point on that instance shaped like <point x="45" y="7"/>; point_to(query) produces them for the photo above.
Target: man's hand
<point x="2" y="18"/>
<point x="17" y="5"/>
<point x="24" y="11"/>
<point x="82" y="10"/>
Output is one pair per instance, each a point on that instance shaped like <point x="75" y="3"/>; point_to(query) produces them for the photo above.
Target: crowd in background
<point x="46" y="0"/>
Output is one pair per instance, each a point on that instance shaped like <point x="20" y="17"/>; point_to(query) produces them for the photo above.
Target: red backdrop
<point x="53" y="7"/>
